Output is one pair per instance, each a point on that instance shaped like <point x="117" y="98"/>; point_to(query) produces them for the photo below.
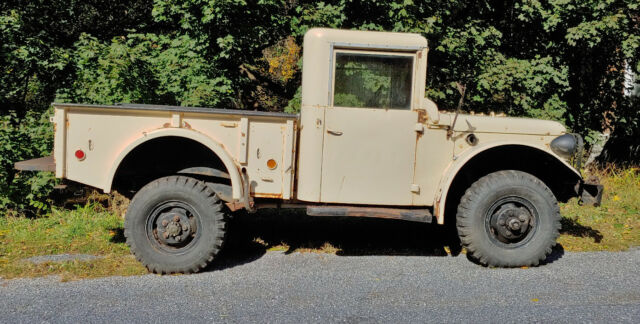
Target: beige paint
<point x="372" y="140"/>
<point x="464" y="156"/>
<point x="505" y="125"/>
<point x="60" y="141"/>
<point x="369" y="163"/>
<point x="433" y="152"/>
<point x="177" y="132"/>
<point x="436" y="152"/>
<point x="387" y="137"/>
<point x="346" y="155"/>
<point x="108" y="134"/>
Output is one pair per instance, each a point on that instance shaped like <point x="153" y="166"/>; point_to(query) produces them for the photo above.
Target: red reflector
<point x="80" y="155"/>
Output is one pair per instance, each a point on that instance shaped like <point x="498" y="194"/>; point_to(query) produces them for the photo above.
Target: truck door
<point x="370" y="136"/>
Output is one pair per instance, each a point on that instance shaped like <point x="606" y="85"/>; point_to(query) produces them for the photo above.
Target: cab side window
<point x="373" y="80"/>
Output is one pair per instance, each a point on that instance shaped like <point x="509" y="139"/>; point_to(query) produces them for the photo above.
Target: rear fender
<point x="217" y="148"/>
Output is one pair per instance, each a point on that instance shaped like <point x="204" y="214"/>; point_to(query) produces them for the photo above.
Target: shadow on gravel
<point x="250" y="236"/>
<point x="556" y="254"/>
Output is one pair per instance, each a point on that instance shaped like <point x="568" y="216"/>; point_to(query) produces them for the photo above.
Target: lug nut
<point x="165" y="223"/>
<point x="178" y="238"/>
<point x="185" y="227"/>
<point x="166" y="235"/>
<point x="176" y="218"/>
<point x="522" y="217"/>
<point x="514" y="224"/>
<point x="501" y="222"/>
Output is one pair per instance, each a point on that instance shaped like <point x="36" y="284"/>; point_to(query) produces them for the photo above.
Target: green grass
<point x="93" y="229"/>
<point x="615" y="225"/>
<point x="88" y="229"/>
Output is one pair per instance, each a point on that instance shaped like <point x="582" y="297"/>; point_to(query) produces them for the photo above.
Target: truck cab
<point x="362" y="101"/>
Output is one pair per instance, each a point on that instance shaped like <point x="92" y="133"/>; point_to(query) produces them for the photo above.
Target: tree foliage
<point x="144" y="68"/>
<point x="556" y="59"/>
<point x="32" y="137"/>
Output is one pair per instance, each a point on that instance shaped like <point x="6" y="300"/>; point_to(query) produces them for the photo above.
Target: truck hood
<point x="505" y="125"/>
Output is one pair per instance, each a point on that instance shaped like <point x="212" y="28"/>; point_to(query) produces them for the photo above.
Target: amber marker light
<point x="271" y="164"/>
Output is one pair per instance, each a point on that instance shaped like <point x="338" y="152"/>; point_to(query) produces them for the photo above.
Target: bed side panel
<point x="102" y="135"/>
<point x="251" y="141"/>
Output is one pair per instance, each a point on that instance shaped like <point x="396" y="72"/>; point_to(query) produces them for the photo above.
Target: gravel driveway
<point x="293" y="288"/>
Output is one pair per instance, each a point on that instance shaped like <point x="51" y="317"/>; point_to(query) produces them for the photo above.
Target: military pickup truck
<point x="366" y="143"/>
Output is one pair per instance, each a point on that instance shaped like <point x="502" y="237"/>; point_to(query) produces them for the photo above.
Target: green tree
<point x="36" y="39"/>
<point x="557" y="59"/>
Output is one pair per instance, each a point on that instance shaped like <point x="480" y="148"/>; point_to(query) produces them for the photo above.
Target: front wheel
<point x="175" y="224"/>
<point x="508" y="219"/>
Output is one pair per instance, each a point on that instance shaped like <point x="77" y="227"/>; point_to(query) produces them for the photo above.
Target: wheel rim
<point x="511" y="221"/>
<point x="172" y="227"/>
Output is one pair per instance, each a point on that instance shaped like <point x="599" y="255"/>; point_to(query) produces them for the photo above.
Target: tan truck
<point x="366" y="143"/>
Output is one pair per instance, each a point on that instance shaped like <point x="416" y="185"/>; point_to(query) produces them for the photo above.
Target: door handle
<point x="332" y="132"/>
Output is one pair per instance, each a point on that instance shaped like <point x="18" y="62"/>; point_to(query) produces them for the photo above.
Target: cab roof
<point x="365" y="39"/>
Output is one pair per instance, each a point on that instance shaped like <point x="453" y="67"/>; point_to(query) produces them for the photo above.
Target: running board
<point x="413" y="215"/>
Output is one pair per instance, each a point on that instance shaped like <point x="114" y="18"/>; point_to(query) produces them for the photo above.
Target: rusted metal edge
<point x="46" y="163"/>
<point x="182" y="109"/>
<point x="267" y="195"/>
<point x="236" y="205"/>
<point x="414" y="215"/>
<point x="222" y="190"/>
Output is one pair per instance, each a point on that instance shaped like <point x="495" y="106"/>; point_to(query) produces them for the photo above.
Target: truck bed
<point x="107" y="134"/>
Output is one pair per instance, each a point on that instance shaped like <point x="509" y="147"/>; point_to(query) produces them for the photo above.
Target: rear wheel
<point x="175" y="225"/>
<point x="508" y="219"/>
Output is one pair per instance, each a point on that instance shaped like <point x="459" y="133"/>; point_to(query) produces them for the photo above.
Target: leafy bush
<point x="21" y="139"/>
<point x="528" y="88"/>
<point x="144" y="68"/>
<point x="553" y="59"/>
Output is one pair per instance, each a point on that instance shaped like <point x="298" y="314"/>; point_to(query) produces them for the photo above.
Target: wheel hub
<point x="510" y="223"/>
<point x="174" y="227"/>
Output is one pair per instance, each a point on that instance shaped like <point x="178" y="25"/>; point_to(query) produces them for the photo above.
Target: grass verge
<point x="613" y="226"/>
<point x="92" y="229"/>
<point x="88" y="229"/>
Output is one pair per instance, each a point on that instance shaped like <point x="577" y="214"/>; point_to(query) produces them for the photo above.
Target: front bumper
<point x="590" y="191"/>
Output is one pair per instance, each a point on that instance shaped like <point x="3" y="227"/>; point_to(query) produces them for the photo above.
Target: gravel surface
<point x="293" y="288"/>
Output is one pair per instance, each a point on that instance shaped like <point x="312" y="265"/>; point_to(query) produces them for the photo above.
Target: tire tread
<point x="465" y="221"/>
<point x="214" y="206"/>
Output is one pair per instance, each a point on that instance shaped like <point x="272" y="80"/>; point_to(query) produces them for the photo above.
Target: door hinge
<point x="415" y="188"/>
<point x="419" y="128"/>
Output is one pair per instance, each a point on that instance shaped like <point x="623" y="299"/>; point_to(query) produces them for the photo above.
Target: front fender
<point x="460" y="161"/>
